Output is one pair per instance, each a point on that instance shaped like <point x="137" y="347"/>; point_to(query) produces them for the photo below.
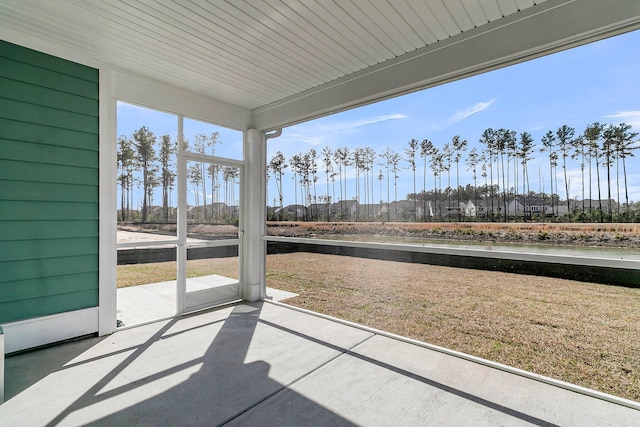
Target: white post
<point x="107" y="288"/>
<point x="181" y="255"/>
<point x="253" y="215"/>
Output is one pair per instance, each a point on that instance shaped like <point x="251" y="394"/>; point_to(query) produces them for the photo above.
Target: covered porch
<point x="254" y="67"/>
<point x="266" y="363"/>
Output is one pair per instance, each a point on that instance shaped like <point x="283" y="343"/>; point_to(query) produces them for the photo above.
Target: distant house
<point x="594" y="204"/>
<point x="531" y="206"/>
<point x="464" y="209"/>
<point x="468" y="208"/>
<point x="344" y="209"/>
<point x="292" y="212"/>
<point x="401" y="210"/>
<point x="489" y="207"/>
<point x="373" y="211"/>
<point x="319" y="211"/>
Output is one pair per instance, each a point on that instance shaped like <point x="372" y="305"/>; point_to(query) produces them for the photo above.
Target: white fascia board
<point x="144" y="91"/>
<point x="549" y="27"/>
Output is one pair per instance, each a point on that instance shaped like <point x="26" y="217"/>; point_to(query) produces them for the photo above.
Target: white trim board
<point x="38" y="331"/>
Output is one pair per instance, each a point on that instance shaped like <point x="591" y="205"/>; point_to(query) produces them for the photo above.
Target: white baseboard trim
<point x="38" y="331"/>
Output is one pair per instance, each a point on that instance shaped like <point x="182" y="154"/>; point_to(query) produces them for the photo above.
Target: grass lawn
<point x="139" y="274"/>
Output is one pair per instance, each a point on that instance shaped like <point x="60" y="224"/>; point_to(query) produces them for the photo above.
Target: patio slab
<point x="145" y="303"/>
<point x="266" y="364"/>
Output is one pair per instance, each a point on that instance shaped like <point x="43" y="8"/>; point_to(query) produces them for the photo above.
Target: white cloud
<point x="306" y="138"/>
<point x="327" y="132"/>
<point x="358" y="123"/>
<point x="463" y="114"/>
<point x="629" y="117"/>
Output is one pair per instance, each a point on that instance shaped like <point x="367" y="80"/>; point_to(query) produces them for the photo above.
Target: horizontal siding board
<point x="11" y="210"/>
<point x="41" y="249"/>
<point x="49" y="184"/>
<point x="42" y="134"/>
<point x="43" y="153"/>
<point x="20" y="71"/>
<point x="48" y="267"/>
<point x="49" y="192"/>
<point x="42" y="60"/>
<point x="47" y="286"/>
<point x="37" y="307"/>
<point x="34" y="172"/>
<point x="30" y="113"/>
<point x="47" y="229"/>
<point x="27" y="92"/>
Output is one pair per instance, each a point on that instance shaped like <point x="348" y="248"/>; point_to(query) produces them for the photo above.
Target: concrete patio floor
<point x="146" y="303"/>
<point x="267" y="364"/>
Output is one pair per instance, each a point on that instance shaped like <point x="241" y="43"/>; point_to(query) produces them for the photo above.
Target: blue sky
<point x="596" y="82"/>
<point x="132" y="117"/>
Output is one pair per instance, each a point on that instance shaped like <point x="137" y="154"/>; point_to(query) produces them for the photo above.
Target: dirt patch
<point x="203" y="231"/>
<point x="625" y="236"/>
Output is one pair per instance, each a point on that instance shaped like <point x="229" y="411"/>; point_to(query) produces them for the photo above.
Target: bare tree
<point x="593" y="134"/>
<point x="388" y="155"/>
<point x="580" y="154"/>
<point x="328" y="170"/>
<point x="436" y="164"/>
<point x="278" y="164"/>
<point x="489" y="140"/>
<point x="126" y="160"/>
<point x="146" y="155"/>
<point x="426" y="149"/>
<point x="548" y="141"/>
<point x="459" y="146"/>
<point x="565" y="135"/>
<point x="411" y="160"/>
<point x="524" y="154"/>
<point x="472" y="165"/>
<point x="625" y="146"/>
<point x="168" y="176"/>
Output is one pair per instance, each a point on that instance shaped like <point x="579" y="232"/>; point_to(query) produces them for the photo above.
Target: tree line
<point x="501" y="166"/>
<point x="147" y="163"/>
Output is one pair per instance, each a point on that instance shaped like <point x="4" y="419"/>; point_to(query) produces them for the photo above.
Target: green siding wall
<point x="48" y="184"/>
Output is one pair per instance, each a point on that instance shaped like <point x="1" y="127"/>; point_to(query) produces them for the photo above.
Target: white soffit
<point x="290" y="60"/>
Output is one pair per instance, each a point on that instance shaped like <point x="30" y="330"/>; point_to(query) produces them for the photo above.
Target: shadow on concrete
<point x="223" y="387"/>
<point x="26" y="369"/>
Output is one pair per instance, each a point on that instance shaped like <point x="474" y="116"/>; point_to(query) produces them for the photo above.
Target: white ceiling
<point x="257" y="54"/>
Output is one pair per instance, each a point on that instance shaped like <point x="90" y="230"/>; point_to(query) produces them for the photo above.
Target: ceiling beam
<point x="549" y="27"/>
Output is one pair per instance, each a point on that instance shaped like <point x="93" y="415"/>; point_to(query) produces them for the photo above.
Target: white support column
<point x="253" y="216"/>
<point x="181" y="255"/>
<point x="108" y="215"/>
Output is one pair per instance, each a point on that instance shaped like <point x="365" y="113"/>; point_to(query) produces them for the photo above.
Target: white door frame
<point x="181" y="255"/>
